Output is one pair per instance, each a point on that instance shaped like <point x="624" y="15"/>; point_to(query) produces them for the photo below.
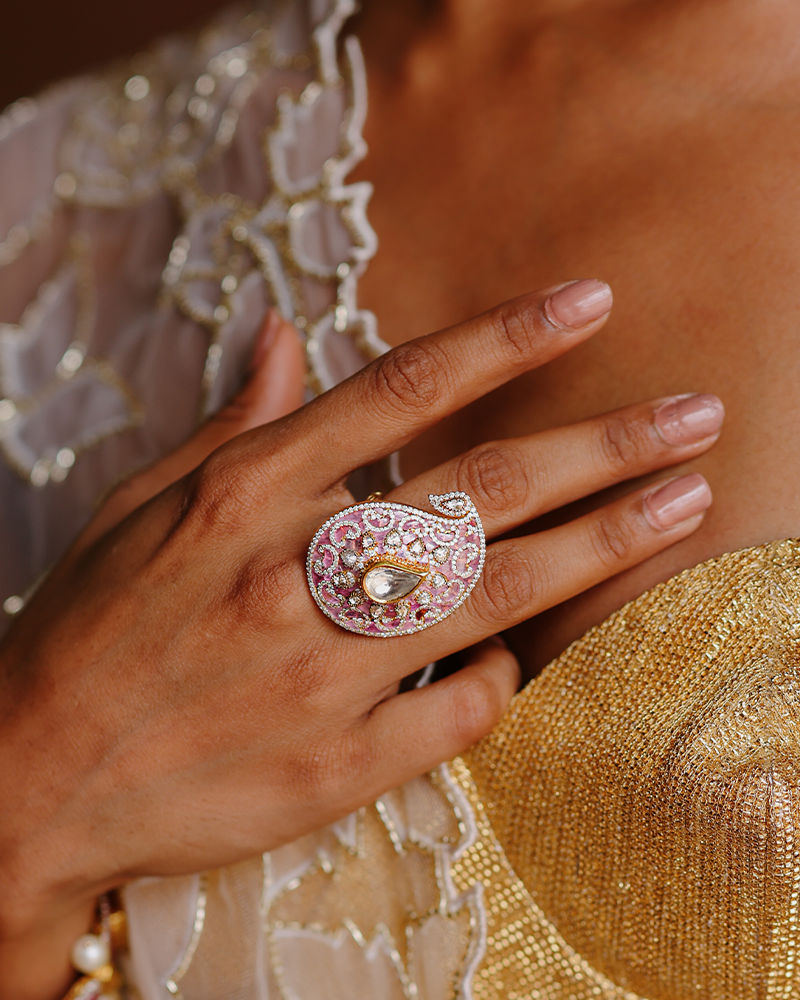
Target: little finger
<point x="412" y="732"/>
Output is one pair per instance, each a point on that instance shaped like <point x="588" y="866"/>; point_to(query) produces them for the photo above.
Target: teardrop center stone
<point x="387" y="584"/>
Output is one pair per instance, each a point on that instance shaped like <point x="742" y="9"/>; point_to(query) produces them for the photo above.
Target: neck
<point x="740" y="48"/>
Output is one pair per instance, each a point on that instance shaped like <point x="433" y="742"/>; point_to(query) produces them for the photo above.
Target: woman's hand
<point x="173" y="700"/>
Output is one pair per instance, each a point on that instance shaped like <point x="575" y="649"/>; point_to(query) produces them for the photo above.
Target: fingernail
<point x="269" y="330"/>
<point x="578" y="304"/>
<point x="685" y="419"/>
<point x="677" y="500"/>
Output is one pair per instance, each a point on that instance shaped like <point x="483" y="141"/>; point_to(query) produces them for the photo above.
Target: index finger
<point x="412" y="387"/>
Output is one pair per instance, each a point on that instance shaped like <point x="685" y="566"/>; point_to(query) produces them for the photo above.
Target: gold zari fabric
<point x="628" y="831"/>
<point x="643" y="794"/>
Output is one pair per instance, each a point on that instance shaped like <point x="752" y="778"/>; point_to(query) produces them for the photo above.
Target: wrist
<point x="47" y="854"/>
<point x="36" y="962"/>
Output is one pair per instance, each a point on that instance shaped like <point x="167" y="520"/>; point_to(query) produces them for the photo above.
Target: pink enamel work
<point x="386" y="569"/>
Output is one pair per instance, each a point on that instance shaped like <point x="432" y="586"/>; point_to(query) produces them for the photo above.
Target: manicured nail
<point x="577" y="304"/>
<point x="686" y="419"/>
<point x="269" y="330"/>
<point x="677" y="500"/>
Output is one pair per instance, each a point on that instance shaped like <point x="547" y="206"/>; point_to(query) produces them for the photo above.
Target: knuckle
<point x="220" y="495"/>
<point x="622" y="445"/>
<point x="614" y="541"/>
<point x="311" y="772"/>
<point x="263" y="593"/>
<point x="410" y="377"/>
<point x="496" y="477"/>
<point x="517" y="328"/>
<point x="331" y="769"/>
<point x="510" y="586"/>
<point x="477" y="707"/>
<point x="304" y="679"/>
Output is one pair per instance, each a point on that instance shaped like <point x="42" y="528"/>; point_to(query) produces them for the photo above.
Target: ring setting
<point x="386" y="569"/>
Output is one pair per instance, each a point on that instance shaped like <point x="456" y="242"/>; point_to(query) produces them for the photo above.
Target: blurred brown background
<point x="44" y="40"/>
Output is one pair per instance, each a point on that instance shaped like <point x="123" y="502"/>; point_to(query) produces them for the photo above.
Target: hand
<point x="35" y="963"/>
<point x="174" y="701"/>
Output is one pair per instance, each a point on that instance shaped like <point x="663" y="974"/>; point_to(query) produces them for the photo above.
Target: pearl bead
<point x="89" y="953"/>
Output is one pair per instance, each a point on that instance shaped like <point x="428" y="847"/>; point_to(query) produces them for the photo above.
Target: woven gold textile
<point x="638" y="806"/>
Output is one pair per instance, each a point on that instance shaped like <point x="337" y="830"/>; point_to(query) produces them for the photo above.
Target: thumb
<point x="274" y="388"/>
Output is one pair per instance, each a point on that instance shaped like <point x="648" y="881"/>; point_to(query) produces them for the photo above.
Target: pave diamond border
<point x="439" y="502"/>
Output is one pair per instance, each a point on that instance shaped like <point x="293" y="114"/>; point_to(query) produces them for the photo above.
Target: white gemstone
<point x="90" y="953"/>
<point x="179" y="253"/>
<point x="416" y="547"/>
<point x="438" y="581"/>
<point x="13" y="605"/>
<point x="72" y="360"/>
<point x="368" y="541"/>
<point x="387" y="584"/>
<point x="349" y="558"/>
<point x="393" y="539"/>
<point x="205" y="84"/>
<point x="197" y="108"/>
<point x="137" y="88"/>
<point x="40" y="472"/>
<point x="236" y="68"/>
<point x="345" y="579"/>
<point x="355" y="599"/>
<point x="65" y="458"/>
<point x="65" y="185"/>
<point x="424" y="598"/>
<point x="441" y="553"/>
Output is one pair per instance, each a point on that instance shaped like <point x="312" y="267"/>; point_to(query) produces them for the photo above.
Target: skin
<point x="654" y="145"/>
<point x="162" y="662"/>
<point x="650" y="144"/>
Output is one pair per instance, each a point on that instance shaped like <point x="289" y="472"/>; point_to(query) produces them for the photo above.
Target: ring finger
<point x="524" y="576"/>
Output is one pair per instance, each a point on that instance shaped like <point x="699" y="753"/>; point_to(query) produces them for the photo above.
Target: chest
<point x="691" y="213"/>
<point x="694" y="221"/>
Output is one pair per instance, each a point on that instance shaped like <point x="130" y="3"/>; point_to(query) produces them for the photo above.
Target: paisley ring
<point x="386" y="569"/>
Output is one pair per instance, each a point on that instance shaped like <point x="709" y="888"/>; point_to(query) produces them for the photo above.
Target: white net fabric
<point x="156" y="213"/>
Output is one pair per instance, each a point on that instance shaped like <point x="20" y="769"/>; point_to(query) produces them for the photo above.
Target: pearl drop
<point x="90" y="953"/>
